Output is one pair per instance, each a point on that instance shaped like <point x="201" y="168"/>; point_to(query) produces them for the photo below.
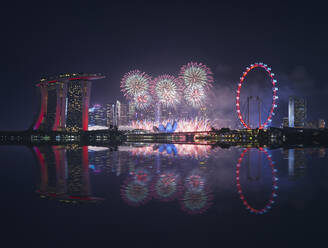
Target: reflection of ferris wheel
<point x="274" y="183"/>
<point x="274" y="95"/>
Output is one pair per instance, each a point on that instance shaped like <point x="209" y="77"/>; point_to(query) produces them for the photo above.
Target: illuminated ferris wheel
<point x="268" y="120"/>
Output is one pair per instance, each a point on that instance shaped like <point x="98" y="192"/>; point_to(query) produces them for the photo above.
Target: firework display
<point x="142" y="101"/>
<point x="135" y="83"/>
<point x="195" y="96"/>
<point x="167" y="90"/>
<point x="183" y="125"/>
<point x="197" y="79"/>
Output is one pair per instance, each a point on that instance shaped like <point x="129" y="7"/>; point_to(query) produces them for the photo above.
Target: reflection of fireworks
<point x="195" y="96"/>
<point x="142" y="101"/>
<point x="183" y="150"/>
<point x="196" y="201"/>
<point x="142" y="176"/>
<point x="184" y="125"/>
<point x="195" y="182"/>
<point x="197" y="78"/>
<point x="166" y="89"/>
<point x="135" y="193"/>
<point x="165" y="187"/>
<point x="135" y="83"/>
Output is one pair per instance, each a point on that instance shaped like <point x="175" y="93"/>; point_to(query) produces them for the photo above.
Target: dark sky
<point x="112" y="37"/>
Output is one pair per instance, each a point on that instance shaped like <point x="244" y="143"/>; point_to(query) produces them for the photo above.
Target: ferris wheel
<point x="268" y="119"/>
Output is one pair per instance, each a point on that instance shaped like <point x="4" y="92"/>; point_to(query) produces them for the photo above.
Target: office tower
<point x="110" y="115"/>
<point x="297" y="112"/>
<point x="97" y="116"/>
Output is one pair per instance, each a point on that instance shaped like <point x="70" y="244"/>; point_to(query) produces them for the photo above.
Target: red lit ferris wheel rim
<point x="274" y="94"/>
<point x="274" y="183"/>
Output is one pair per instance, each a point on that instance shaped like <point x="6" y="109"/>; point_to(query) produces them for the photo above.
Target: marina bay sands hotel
<point x="65" y="102"/>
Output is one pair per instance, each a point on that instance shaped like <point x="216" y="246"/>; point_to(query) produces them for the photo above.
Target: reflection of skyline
<point x="64" y="173"/>
<point x="180" y="150"/>
<point x="66" y="170"/>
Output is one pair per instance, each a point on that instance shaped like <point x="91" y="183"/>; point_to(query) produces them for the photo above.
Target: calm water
<point x="153" y="194"/>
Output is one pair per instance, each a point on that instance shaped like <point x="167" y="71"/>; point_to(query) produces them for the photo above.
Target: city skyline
<point x="223" y="36"/>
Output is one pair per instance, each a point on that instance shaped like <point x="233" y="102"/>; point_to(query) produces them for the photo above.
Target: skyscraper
<point x="65" y="102"/>
<point x="131" y="112"/>
<point x="110" y="114"/>
<point x="121" y="113"/>
<point x="297" y="112"/>
<point x="97" y="116"/>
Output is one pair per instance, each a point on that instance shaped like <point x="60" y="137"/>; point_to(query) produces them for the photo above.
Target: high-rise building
<point x="121" y="114"/>
<point x="65" y="102"/>
<point x="297" y="112"/>
<point x="131" y="112"/>
<point x="110" y="114"/>
<point x="97" y="116"/>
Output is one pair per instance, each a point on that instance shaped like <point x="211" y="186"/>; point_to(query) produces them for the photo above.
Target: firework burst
<point x="196" y="75"/>
<point x="197" y="79"/>
<point x="135" y="83"/>
<point x="166" y="90"/>
<point x="142" y="101"/>
<point x="195" y="96"/>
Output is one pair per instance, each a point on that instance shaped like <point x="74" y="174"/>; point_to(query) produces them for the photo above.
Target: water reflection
<point x="193" y="176"/>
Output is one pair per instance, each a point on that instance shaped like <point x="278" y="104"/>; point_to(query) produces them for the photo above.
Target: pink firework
<point x="197" y="79"/>
<point x="196" y="75"/>
<point x="195" y="96"/>
<point x="184" y="125"/>
<point x="167" y="90"/>
<point x="135" y="83"/>
<point x="142" y="101"/>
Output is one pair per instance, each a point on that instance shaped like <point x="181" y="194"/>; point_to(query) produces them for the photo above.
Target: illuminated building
<point x="131" y="112"/>
<point x="97" y="116"/>
<point x="296" y="112"/>
<point x="110" y="115"/>
<point x="285" y="122"/>
<point x="321" y="123"/>
<point x="121" y="113"/>
<point x="65" y="102"/>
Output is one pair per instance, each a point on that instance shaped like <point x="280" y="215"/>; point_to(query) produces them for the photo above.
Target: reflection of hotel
<point x="64" y="173"/>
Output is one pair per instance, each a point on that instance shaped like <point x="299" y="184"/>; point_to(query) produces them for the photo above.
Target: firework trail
<point x="167" y="90"/>
<point x="197" y="79"/>
<point x="135" y="83"/>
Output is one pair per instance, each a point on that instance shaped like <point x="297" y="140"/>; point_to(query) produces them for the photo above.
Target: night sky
<point x="43" y="39"/>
